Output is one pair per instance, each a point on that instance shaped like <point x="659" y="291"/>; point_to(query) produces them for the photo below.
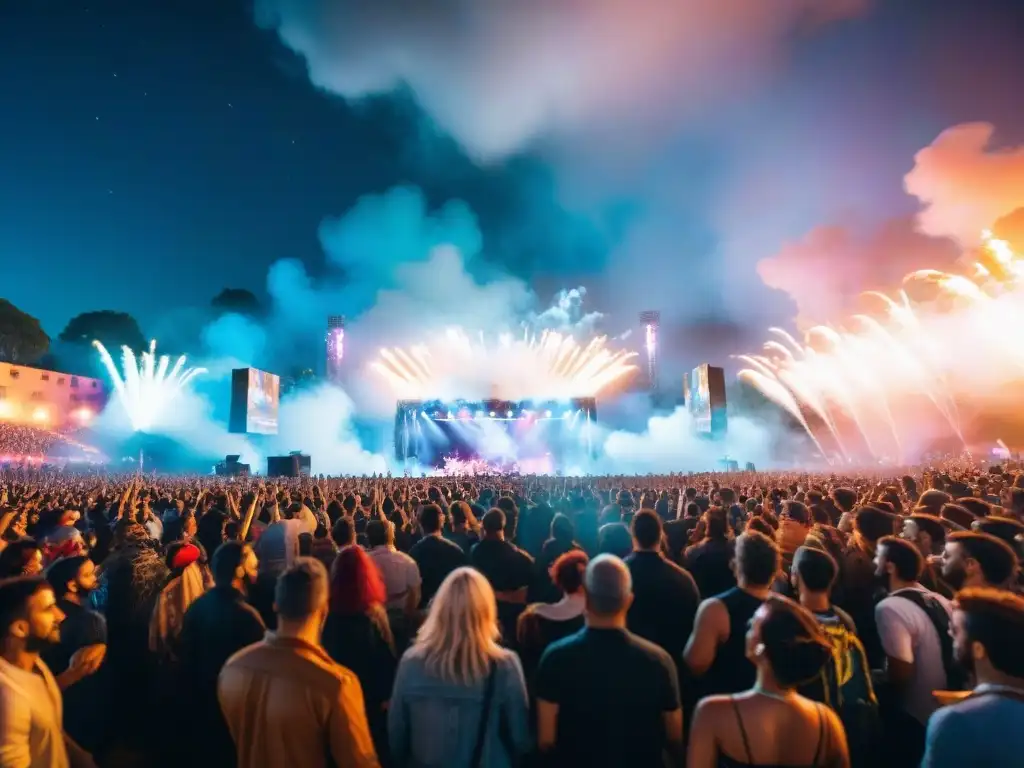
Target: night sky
<point x="153" y="153"/>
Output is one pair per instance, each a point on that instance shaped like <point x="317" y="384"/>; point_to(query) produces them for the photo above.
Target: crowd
<point x="21" y="442"/>
<point x="705" y="620"/>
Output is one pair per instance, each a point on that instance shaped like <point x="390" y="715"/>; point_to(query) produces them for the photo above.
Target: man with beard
<point x="83" y="631"/>
<point x="984" y="728"/>
<point x="978" y="560"/>
<point x="31" y="735"/>
<point x="913" y="626"/>
<point x="216" y="626"/>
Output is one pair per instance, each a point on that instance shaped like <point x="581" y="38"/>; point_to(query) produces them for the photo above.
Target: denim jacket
<point x="434" y="724"/>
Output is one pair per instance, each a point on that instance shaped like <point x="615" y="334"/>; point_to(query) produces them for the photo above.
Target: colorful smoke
<point x="880" y="385"/>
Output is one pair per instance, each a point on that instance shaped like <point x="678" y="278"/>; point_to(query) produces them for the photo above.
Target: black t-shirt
<point x="436" y="558"/>
<point x="611" y="688"/>
<point x="665" y="601"/>
<point x="506" y="566"/>
<point x="708" y="563"/>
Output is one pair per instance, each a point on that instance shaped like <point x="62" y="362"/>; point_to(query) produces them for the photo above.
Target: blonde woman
<point x="459" y="698"/>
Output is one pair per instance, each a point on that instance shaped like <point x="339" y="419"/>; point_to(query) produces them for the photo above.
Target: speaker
<point x="231" y="467"/>
<point x="293" y="465"/>
<point x="750" y="467"/>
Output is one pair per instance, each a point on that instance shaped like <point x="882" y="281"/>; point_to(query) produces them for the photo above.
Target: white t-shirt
<point x="31" y="731"/>
<point x="399" y="571"/>
<point x="908" y="634"/>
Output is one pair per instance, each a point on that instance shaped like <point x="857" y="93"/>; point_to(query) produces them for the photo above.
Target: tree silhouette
<point x="237" y="300"/>
<point x="22" y="338"/>
<point x="112" y="329"/>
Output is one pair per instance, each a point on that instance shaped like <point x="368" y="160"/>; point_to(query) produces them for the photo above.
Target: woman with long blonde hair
<point x="459" y="697"/>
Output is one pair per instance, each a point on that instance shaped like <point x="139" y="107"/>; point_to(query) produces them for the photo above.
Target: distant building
<point x="51" y="399"/>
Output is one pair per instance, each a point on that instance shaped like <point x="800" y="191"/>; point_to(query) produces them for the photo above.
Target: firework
<point x="881" y="381"/>
<point x="148" y="386"/>
<point x="549" y="366"/>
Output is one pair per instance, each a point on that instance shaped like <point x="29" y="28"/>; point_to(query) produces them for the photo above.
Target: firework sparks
<point x="148" y="386"/>
<point x="551" y="366"/>
<point x="864" y="383"/>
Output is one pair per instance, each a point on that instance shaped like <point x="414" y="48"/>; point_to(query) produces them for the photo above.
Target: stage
<point x="537" y="437"/>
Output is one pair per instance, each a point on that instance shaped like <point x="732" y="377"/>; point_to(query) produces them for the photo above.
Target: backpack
<point x="956" y="678"/>
<point x="844" y="685"/>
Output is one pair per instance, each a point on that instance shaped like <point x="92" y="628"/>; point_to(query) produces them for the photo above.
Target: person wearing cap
<point x="604" y="695"/>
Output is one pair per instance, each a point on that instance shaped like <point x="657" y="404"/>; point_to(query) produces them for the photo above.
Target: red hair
<point x="567" y="571"/>
<point x="356" y="584"/>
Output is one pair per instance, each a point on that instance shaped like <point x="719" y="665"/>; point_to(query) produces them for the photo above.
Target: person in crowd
<point x="343" y="532"/>
<point x="507" y="568"/>
<point x="606" y="697"/>
<point x="710" y="560"/>
<point x="186" y="584"/>
<point x="786" y="645"/>
<point x="400" y="572"/>
<point x="855" y="590"/>
<point x="928" y="534"/>
<point x="463" y="524"/>
<point x="216" y="625"/>
<point x="23" y="557"/>
<point x="286" y="702"/>
<point x="435" y="556"/>
<point x="31" y="716"/>
<point x="615" y="539"/>
<point x="456" y="674"/>
<point x="844" y="682"/>
<point x="913" y="626"/>
<point x="795" y="524"/>
<point x="665" y="597"/>
<point x="678" y="530"/>
<point x="972" y="559"/>
<point x="983" y="729"/>
<point x="561" y="541"/>
<point x="543" y="623"/>
<point x="84" y="631"/>
<point x="716" y="650"/>
<point x="358" y="635"/>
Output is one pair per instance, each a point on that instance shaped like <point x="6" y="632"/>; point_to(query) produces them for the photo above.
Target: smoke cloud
<point x="668" y="444"/>
<point x="826" y="271"/>
<point x="499" y="76"/>
<point x="965" y="183"/>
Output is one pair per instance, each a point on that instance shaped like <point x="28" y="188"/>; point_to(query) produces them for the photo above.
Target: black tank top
<point x="732" y="671"/>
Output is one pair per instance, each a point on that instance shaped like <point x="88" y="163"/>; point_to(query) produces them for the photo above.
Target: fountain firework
<point x="549" y="366"/>
<point x="147" y="386"/>
<point x="872" y="385"/>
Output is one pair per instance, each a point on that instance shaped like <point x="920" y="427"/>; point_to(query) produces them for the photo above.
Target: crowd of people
<point x="21" y="443"/>
<point x="704" y="620"/>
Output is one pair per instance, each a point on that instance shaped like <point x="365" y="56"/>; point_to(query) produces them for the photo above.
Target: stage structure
<point x="651" y="322"/>
<point x="335" y="342"/>
<point x="529" y="436"/>
<point x="706" y="401"/>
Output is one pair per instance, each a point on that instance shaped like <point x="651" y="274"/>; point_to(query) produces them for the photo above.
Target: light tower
<point x="335" y="347"/>
<point x="651" y="321"/>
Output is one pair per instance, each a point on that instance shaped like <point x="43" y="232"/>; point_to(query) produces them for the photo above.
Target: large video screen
<point x="255" y="396"/>
<point x="700" y="399"/>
